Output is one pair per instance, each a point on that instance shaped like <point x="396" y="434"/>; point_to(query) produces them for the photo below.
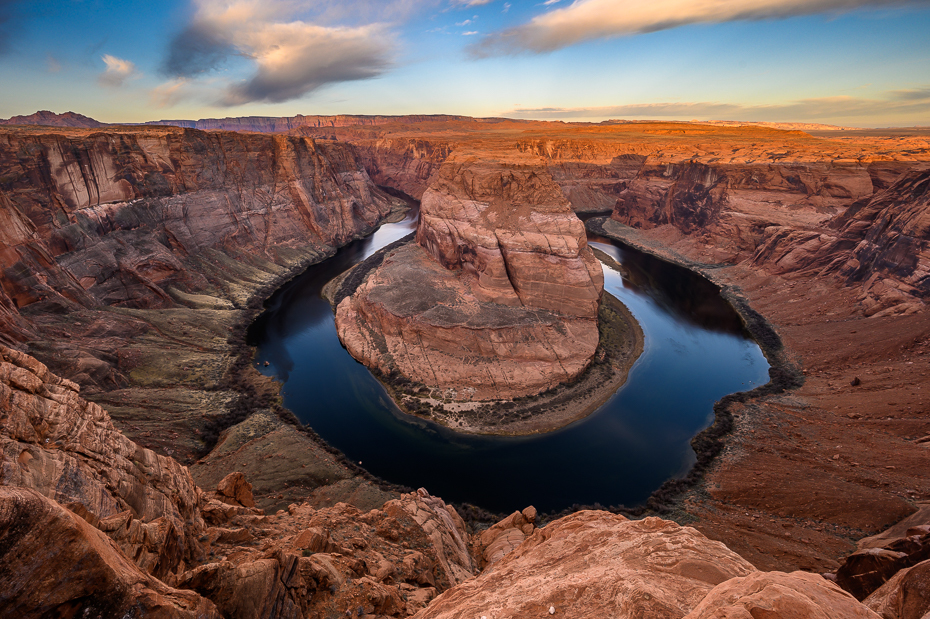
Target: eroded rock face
<point x="57" y="565"/>
<point x="507" y="225"/>
<point x="777" y="595"/>
<point x="881" y="245"/>
<point x="305" y="562"/>
<point x="595" y="564"/>
<point x="905" y="596"/>
<point x="418" y="317"/>
<point x="500" y="293"/>
<point x="145" y="218"/>
<point x="55" y="442"/>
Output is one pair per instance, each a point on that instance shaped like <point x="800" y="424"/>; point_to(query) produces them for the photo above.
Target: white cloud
<point x="585" y="20"/>
<point x="118" y="71"/>
<point x="467" y="3"/>
<point x="170" y="93"/>
<point x="291" y="57"/>
<point x="469" y="33"/>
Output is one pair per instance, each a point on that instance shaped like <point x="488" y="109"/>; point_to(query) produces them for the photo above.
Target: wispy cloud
<point x="469" y="33"/>
<point x="827" y="109"/>
<point x="291" y="57"/>
<point x="586" y="20"/>
<point x="170" y="93"/>
<point x="52" y="63"/>
<point x="118" y="71"/>
<point x="466" y="3"/>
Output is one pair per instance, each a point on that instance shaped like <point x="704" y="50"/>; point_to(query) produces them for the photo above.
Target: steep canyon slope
<point x="133" y="258"/>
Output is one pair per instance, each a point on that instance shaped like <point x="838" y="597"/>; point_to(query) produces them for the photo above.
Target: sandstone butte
<point x="134" y="257"/>
<point x="499" y="297"/>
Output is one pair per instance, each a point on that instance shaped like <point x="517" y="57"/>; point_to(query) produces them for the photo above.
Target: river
<point x="696" y="351"/>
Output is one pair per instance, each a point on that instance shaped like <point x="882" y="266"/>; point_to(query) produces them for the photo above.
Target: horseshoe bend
<point x="150" y="464"/>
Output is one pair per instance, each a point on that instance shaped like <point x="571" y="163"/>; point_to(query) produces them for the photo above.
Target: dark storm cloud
<point x="197" y="49"/>
<point x="296" y="59"/>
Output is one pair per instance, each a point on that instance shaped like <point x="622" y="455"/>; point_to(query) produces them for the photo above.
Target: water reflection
<point x="675" y="289"/>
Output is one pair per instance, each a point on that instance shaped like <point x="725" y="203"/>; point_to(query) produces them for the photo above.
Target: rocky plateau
<point x="133" y="258"/>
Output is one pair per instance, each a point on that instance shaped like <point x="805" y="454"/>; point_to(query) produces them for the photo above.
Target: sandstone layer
<point x="776" y="595"/>
<point x="499" y="297"/>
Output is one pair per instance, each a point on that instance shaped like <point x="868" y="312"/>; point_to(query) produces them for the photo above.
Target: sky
<point x="855" y="63"/>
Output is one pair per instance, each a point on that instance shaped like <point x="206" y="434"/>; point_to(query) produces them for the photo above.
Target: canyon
<point x="134" y="257"/>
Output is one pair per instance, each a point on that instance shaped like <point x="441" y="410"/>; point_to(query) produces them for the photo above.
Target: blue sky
<point x="845" y="62"/>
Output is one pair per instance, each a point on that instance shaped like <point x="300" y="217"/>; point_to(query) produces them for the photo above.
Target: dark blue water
<point x="695" y="353"/>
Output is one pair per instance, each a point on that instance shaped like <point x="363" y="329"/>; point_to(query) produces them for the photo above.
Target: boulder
<point x="777" y="595"/>
<point x="597" y="564"/>
<point x="905" y="596"/>
<point x="57" y="565"/>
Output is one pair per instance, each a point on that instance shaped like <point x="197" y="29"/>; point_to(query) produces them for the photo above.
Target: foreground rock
<point x="593" y="564"/>
<point x="905" y="596"/>
<point x="776" y="595"/>
<point x="58" y="565"/>
<point x="54" y="442"/>
<point x="501" y="290"/>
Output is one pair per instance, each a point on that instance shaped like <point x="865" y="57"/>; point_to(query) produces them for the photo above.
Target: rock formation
<point x="592" y="564"/>
<point x="136" y="299"/>
<point x="130" y="255"/>
<point x="882" y="244"/>
<point x="776" y="595"/>
<point x="66" y="448"/>
<point x="58" y="565"/>
<point x="906" y="595"/>
<point x="501" y="291"/>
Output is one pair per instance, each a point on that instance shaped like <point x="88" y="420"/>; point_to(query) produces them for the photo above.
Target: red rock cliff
<point x="131" y="218"/>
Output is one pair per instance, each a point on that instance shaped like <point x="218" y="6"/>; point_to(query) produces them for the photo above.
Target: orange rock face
<point x="594" y="564"/>
<point x="776" y="595"/>
<point x="131" y="217"/>
<point x="58" y="565"/>
<point x="499" y="298"/>
<point x="53" y="441"/>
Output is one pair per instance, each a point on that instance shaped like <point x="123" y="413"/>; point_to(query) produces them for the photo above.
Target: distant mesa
<point x="51" y="119"/>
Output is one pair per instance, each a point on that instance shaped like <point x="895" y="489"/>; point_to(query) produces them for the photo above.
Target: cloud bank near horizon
<point x="587" y="20"/>
<point x="898" y="102"/>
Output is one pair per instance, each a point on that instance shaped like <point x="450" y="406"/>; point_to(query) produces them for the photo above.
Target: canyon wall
<point x="148" y="218"/>
<point x="129" y="257"/>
